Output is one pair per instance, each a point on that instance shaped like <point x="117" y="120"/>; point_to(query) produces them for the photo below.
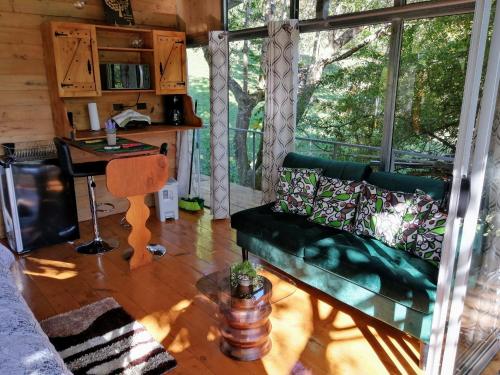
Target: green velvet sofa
<point x="385" y="283"/>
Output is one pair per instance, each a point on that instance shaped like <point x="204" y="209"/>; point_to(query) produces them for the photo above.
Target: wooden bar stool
<point x="133" y="178"/>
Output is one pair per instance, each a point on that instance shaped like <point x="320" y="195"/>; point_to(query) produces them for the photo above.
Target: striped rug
<point x="101" y="338"/>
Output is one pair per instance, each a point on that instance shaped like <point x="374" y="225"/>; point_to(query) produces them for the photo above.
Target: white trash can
<point x="167" y="201"/>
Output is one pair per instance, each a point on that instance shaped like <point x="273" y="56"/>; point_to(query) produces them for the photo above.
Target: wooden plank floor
<point x="312" y="333"/>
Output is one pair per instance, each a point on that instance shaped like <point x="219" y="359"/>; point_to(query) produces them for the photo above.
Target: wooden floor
<point x="312" y="333"/>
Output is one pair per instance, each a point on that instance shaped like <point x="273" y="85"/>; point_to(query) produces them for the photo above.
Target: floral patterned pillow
<point x="380" y="213"/>
<point x="419" y="209"/>
<point x="335" y="203"/>
<point x="430" y="235"/>
<point x="296" y="190"/>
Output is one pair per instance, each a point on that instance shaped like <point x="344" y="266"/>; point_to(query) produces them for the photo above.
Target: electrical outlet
<point x="141" y="106"/>
<point x="118" y="107"/>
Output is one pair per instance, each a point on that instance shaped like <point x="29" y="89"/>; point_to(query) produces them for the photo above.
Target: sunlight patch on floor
<point x="159" y="323"/>
<point x="53" y="269"/>
<point x="181" y="341"/>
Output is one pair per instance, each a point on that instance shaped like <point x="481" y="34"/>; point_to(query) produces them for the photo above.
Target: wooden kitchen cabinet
<point x="75" y="58"/>
<point x="170" y="62"/>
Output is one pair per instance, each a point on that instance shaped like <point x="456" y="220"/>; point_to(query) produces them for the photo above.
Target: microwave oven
<point x="125" y="76"/>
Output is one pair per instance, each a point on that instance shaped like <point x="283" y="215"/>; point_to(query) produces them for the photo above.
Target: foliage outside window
<point x="342" y="83"/>
<point x="245" y="14"/>
<point x="429" y="97"/>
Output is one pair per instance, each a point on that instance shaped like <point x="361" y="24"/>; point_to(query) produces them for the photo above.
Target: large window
<point x="246" y="117"/>
<point x="429" y="96"/>
<point x="346" y="86"/>
<point x="342" y="83"/>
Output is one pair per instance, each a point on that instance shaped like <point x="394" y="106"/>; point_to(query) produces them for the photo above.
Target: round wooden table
<point x="244" y="320"/>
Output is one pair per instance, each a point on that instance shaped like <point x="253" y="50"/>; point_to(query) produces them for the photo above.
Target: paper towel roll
<point x="94" y="117"/>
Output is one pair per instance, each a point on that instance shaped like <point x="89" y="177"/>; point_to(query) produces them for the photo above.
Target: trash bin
<point x="167" y="201"/>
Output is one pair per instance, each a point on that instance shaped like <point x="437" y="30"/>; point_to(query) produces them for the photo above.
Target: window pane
<point x="246" y="114"/>
<point x="342" y="79"/>
<point x="307" y="8"/>
<point x="199" y="90"/>
<point x="429" y="98"/>
<point x="352" y="6"/>
<point x="245" y="14"/>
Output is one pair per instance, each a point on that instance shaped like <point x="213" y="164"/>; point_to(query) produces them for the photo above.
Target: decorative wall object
<point x="218" y="49"/>
<point x="281" y="71"/>
<point x="118" y="12"/>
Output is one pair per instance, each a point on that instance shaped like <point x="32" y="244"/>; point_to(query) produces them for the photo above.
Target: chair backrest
<point x="64" y="156"/>
<point x="344" y="170"/>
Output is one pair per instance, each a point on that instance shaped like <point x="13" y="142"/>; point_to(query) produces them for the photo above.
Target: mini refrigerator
<point x="37" y="198"/>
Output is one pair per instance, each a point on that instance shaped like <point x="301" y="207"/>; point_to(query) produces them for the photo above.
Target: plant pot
<point x="244" y="280"/>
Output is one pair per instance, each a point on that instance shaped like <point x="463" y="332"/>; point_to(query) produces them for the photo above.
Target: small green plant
<point x="244" y="268"/>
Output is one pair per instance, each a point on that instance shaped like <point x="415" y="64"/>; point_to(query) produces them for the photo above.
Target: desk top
<point x="97" y="147"/>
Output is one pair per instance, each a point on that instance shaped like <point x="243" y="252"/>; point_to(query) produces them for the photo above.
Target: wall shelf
<point x="148" y="130"/>
<point x="127" y="91"/>
<point x="125" y="49"/>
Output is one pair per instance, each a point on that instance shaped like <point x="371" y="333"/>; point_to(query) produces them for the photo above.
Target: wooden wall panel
<point x="25" y="106"/>
<point x="197" y="18"/>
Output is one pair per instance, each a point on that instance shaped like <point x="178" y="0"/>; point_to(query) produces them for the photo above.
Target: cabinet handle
<point x="89" y="66"/>
<point x="161" y="69"/>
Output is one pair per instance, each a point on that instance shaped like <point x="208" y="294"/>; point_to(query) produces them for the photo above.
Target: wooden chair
<point x="133" y="178"/>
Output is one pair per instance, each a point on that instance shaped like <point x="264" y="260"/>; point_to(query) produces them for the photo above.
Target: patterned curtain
<point x="218" y="50"/>
<point x="281" y="71"/>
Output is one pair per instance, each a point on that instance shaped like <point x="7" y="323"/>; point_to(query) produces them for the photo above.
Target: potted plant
<point x="243" y="273"/>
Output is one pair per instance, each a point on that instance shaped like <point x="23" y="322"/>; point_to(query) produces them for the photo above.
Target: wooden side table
<point x="245" y="325"/>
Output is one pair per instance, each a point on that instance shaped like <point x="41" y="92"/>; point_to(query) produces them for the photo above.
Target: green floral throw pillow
<point x="419" y="209"/>
<point x="380" y="213"/>
<point x="335" y="203"/>
<point x="423" y="227"/>
<point x="430" y="236"/>
<point x="296" y="190"/>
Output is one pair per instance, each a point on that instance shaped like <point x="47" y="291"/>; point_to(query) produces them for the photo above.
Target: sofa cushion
<point x="408" y="184"/>
<point x="380" y="213"/>
<point x="344" y="170"/>
<point x="395" y="274"/>
<point x="335" y="203"/>
<point x="291" y="233"/>
<point x="296" y="190"/>
<point x="430" y="235"/>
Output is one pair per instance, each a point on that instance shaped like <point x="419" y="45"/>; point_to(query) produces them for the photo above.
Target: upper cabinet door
<point x="170" y="62"/>
<point x="76" y="59"/>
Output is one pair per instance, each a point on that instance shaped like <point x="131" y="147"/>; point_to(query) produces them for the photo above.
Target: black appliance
<point x="174" y="109"/>
<point x="38" y="200"/>
<point x="125" y="76"/>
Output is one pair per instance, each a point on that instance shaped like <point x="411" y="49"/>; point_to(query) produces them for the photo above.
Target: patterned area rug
<point x="101" y="338"/>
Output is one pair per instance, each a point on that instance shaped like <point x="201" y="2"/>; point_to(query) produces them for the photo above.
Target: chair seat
<point x="94" y="168"/>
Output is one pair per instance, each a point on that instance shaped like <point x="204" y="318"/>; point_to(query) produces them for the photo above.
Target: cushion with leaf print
<point x="430" y="235"/>
<point x="335" y="203"/>
<point x="419" y="209"/>
<point x="380" y="213"/>
<point x="296" y="190"/>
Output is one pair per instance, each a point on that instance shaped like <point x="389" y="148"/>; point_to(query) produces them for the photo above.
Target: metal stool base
<point x="156" y="249"/>
<point x="97" y="246"/>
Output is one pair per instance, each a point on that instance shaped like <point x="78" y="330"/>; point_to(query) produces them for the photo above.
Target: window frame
<point x="395" y="15"/>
